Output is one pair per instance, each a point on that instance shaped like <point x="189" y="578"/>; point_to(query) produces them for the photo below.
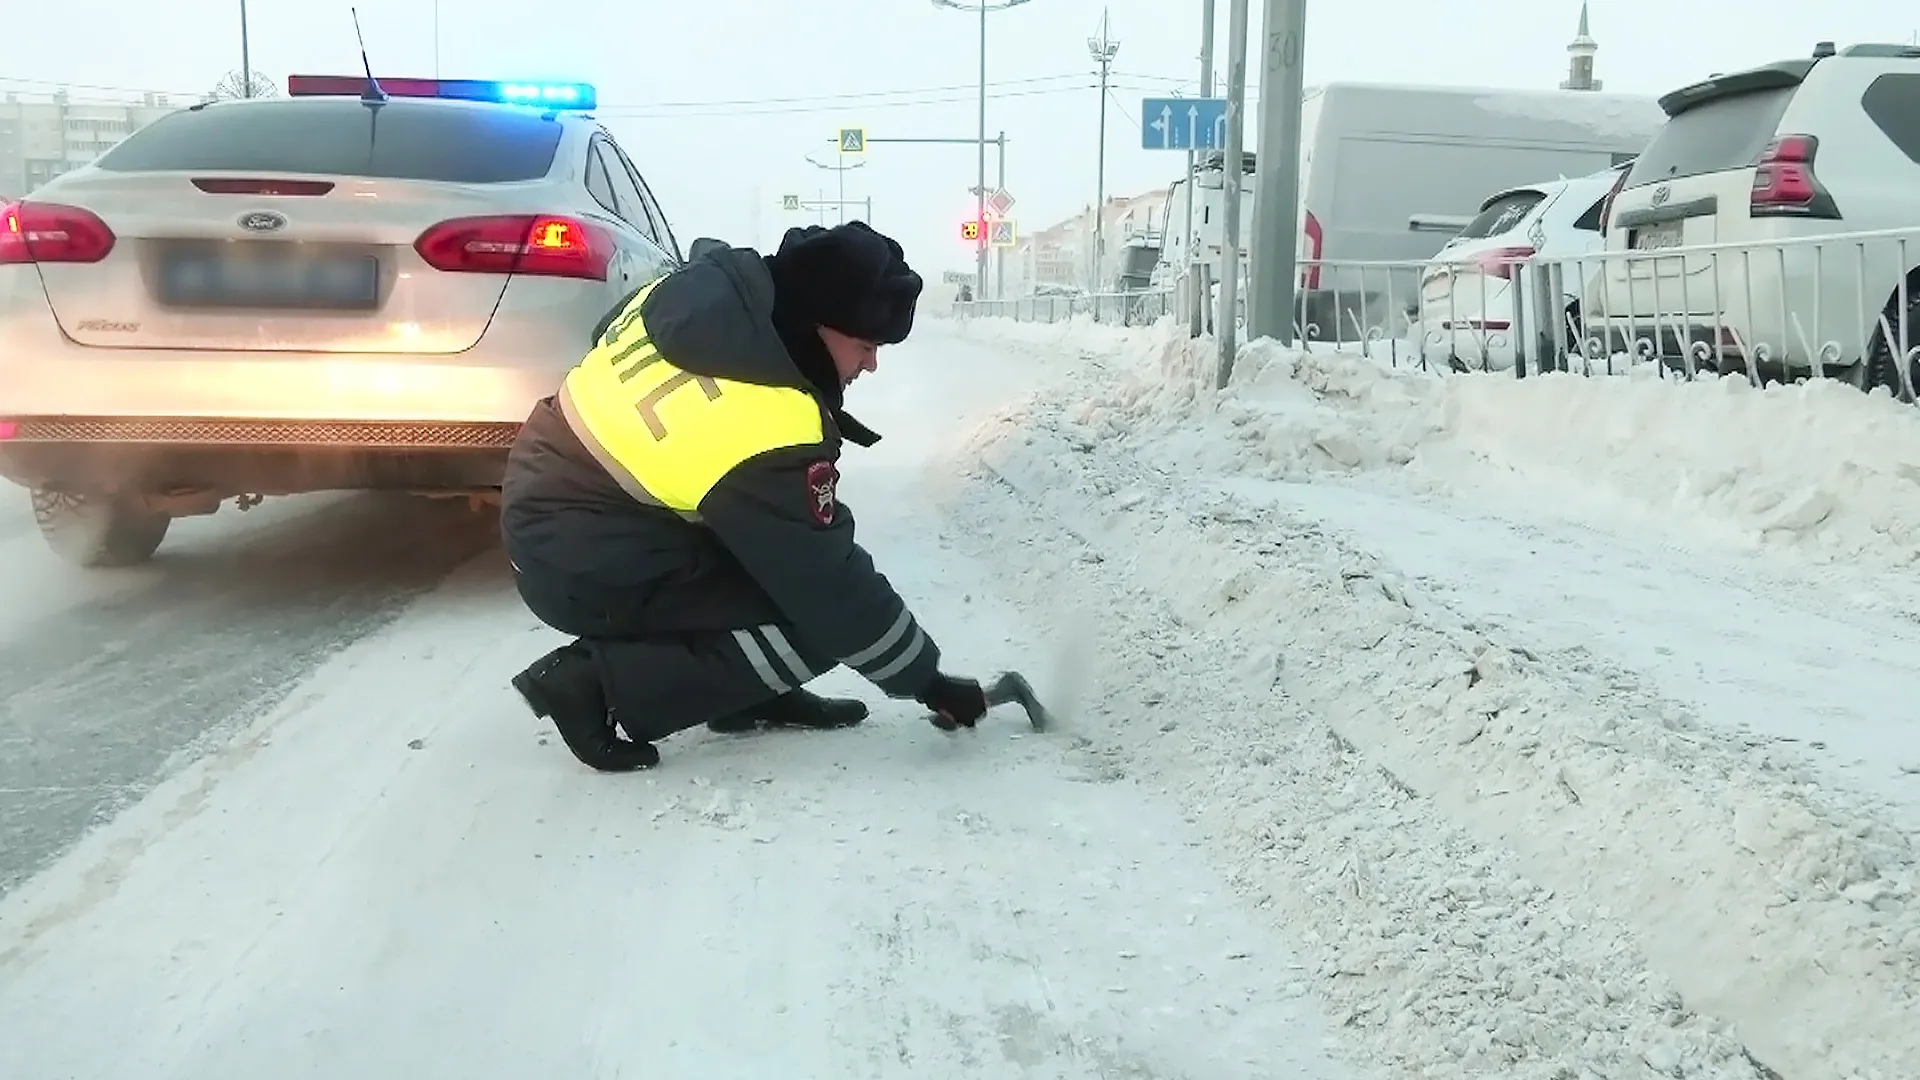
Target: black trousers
<point x="659" y="683"/>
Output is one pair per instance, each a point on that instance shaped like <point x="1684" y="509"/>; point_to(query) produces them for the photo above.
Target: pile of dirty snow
<point x="1817" y="469"/>
<point x="1507" y="864"/>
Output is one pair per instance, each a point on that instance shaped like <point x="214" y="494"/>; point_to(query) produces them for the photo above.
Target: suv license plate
<point x="1657" y="237"/>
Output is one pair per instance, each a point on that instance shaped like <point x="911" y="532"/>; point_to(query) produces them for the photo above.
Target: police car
<point x="364" y="285"/>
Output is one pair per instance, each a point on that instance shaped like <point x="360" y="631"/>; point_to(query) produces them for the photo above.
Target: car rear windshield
<point x="1714" y="136"/>
<point x="401" y="140"/>
<point x="1502" y="215"/>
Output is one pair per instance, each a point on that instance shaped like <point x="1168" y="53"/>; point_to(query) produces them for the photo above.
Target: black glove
<point x="956" y="703"/>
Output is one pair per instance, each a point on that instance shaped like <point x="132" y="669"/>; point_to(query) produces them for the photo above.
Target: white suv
<point x="1751" y="170"/>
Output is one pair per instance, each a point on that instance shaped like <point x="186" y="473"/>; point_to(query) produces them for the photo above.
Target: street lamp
<point x="246" y="55"/>
<point x="841" y="171"/>
<point x="1103" y="49"/>
<point x="980" y="204"/>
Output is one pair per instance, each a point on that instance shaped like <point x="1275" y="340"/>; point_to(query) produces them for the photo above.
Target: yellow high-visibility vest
<point x="668" y="435"/>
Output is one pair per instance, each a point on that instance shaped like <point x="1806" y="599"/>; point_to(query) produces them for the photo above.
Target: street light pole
<point x="1103" y="49"/>
<point x="980" y="191"/>
<point x="1271" y="292"/>
<point x="1232" y="179"/>
<point x="1198" y="289"/>
<point x="246" y="56"/>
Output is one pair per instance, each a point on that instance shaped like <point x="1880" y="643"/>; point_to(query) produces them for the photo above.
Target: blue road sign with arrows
<point x="1183" y="124"/>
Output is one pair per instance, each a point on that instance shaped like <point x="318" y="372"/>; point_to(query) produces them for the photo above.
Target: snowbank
<point x="1818" y="470"/>
<point x="1527" y="866"/>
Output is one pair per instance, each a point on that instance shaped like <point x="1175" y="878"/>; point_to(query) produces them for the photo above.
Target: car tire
<point x="1880" y="368"/>
<point x="98" y="531"/>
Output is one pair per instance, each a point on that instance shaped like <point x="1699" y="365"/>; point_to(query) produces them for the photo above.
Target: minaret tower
<point x="1580" y="53"/>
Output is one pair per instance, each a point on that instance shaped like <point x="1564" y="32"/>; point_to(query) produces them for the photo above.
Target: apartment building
<point x="40" y="139"/>
<point x="1061" y="254"/>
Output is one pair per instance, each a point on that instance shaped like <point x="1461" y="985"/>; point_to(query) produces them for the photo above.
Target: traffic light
<point x="970" y="231"/>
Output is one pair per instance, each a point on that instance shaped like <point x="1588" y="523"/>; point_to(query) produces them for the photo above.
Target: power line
<point x="805" y="98"/>
<point x="913" y="96"/>
<point x="646" y="113"/>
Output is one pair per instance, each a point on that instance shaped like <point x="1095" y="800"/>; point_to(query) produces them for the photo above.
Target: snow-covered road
<point x="396" y="872"/>
<point x="1418" y="728"/>
<point x="108" y="679"/>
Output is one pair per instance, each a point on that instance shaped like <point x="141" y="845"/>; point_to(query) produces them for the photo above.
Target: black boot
<point x="563" y="686"/>
<point x="793" y="709"/>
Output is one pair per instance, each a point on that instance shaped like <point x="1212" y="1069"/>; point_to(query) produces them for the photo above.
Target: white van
<point x="1389" y="173"/>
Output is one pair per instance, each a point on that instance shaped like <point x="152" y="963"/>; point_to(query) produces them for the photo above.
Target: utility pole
<point x="436" y="38"/>
<point x="246" y="55"/>
<point x="1196" y="298"/>
<point x="1276" y="203"/>
<point x="1103" y="49"/>
<point x="980" y="195"/>
<point x="840" y="171"/>
<point x="1232" y="172"/>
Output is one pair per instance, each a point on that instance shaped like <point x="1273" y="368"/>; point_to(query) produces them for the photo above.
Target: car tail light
<point x="1503" y="262"/>
<point x="1606" y="204"/>
<point x="1316" y="238"/>
<point x="8" y="429"/>
<point x="229" y="186"/>
<point x="34" y="232"/>
<point x="542" y="245"/>
<point x="1784" y="184"/>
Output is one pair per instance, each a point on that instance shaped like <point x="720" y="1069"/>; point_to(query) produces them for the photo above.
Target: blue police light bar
<point x="545" y="95"/>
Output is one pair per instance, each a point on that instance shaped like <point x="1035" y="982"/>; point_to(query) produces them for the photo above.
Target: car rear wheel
<point x="1881" y="368"/>
<point x="98" y="531"/>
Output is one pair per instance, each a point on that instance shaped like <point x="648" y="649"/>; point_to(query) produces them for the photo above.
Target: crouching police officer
<point x="675" y="507"/>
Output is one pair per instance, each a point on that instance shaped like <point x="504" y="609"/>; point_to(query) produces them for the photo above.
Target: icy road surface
<point x="108" y="677"/>
<point x="393" y="870"/>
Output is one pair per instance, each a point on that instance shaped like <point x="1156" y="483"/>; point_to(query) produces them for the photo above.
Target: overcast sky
<point x="720" y="101"/>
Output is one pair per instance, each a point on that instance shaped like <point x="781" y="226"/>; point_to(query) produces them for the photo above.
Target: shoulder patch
<point x="823" y="498"/>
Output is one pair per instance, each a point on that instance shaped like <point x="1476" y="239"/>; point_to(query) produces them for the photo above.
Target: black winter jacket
<point x="770" y="545"/>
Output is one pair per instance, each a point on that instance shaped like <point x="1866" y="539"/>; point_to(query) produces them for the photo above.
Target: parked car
<point x="1467" y="293"/>
<point x="1714" y="236"/>
<point x="350" y="288"/>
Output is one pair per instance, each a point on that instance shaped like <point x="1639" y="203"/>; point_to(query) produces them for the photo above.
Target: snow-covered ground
<point x="1620" y="671"/>
<point x="1416" y="727"/>
<point x="399" y="873"/>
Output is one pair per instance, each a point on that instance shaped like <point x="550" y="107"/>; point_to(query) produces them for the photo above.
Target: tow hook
<point x="248" y="502"/>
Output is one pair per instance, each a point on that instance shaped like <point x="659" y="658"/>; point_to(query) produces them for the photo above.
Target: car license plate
<point x="1657" y="237"/>
<point x="228" y="279"/>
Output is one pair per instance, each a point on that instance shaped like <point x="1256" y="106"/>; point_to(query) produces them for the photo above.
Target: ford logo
<point x="1661" y="194"/>
<point x="263" y="221"/>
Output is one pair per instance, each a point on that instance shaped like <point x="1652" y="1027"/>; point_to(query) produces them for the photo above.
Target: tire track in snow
<point x="105" y="697"/>
<point x="428" y="884"/>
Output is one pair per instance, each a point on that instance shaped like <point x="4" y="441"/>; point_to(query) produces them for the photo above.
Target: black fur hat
<point x="850" y="278"/>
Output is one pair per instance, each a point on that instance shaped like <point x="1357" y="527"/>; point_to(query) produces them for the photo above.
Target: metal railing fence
<point x="1844" y="305"/>
<point x="1141" y="308"/>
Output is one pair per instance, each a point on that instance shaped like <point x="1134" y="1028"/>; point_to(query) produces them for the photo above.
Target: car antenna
<point x="372" y="96"/>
